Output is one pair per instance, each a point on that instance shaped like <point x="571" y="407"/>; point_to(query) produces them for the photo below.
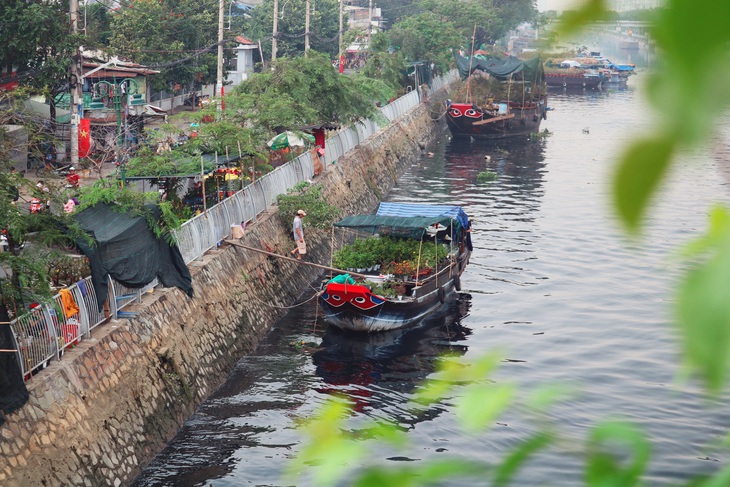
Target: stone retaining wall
<point x="99" y="415"/>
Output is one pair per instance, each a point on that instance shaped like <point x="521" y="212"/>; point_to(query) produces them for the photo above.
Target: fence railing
<point x="46" y="331"/>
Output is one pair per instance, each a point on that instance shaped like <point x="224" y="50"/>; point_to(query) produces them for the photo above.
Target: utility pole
<point x="342" y="57"/>
<point x="370" y="21"/>
<point x="306" y="29"/>
<point x="75" y="87"/>
<point x="276" y="32"/>
<point x="219" y="76"/>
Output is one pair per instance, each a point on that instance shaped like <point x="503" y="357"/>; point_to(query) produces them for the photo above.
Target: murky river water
<point x="552" y="283"/>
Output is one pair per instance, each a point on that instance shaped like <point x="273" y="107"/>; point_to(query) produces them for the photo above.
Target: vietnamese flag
<point x="84" y="137"/>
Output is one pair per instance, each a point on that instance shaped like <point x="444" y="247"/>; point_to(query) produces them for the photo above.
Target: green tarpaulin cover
<point x="128" y="251"/>
<point x="394" y="226"/>
<point x="502" y="69"/>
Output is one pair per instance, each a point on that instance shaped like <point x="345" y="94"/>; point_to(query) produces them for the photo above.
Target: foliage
<point x="64" y="269"/>
<point x="384" y="65"/>
<point x="36" y="41"/>
<point x="98" y="24"/>
<point x="159" y="33"/>
<point x="307" y="91"/>
<point x="320" y="214"/>
<point x="427" y="36"/>
<point x="323" y="27"/>
<point x="399" y="256"/>
<point x="486" y="176"/>
<point x="124" y="200"/>
<point x="31" y="237"/>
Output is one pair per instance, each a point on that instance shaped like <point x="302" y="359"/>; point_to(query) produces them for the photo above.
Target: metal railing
<point x="46" y="331"/>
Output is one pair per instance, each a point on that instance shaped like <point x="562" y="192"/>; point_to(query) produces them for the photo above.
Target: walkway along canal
<point x="100" y="414"/>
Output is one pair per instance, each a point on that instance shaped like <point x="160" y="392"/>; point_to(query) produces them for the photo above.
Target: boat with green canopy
<point x="408" y="259"/>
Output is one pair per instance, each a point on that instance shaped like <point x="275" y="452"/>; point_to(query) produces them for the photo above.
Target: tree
<point x="37" y="42"/>
<point x="179" y="38"/>
<point x="383" y="64"/>
<point x="323" y="26"/>
<point x="427" y="36"/>
<point x="303" y="91"/>
<point x="98" y="24"/>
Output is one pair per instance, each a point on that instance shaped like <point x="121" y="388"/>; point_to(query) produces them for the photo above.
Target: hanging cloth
<point x="68" y="303"/>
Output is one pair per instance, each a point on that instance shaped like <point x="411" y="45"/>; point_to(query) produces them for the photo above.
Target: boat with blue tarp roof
<point x="399" y="265"/>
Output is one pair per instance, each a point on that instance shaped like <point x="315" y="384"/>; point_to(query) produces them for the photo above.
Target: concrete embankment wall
<point x="100" y="414"/>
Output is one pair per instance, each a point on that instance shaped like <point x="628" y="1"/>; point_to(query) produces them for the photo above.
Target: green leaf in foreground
<point x="590" y="11"/>
<point x="638" y="175"/>
<point x="431" y="473"/>
<point x="703" y="307"/>
<point x="511" y="465"/>
<point x="328" y="448"/>
<point x="454" y="372"/>
<point x="608" y="443"/>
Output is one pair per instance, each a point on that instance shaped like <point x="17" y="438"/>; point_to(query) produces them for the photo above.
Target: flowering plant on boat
<point x="402" y="269"/>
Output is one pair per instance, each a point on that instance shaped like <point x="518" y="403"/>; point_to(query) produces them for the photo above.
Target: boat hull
<point x="353" y="307"/>
<point x="567" y="81"/>
<point x="465" y="120"/>
<point x="389" y="315"/>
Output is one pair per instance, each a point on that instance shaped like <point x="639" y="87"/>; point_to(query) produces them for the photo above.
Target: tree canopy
<point x="178" y="37"/>
<point x="323" y="26"/>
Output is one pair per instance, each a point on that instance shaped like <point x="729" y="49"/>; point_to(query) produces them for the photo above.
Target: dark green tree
<point x="38" y="45"/>
<point x="303" y="91"/>
<point x="323" y="27"/>
<point x="98" y="24"/>
<point x="177" y="37"/>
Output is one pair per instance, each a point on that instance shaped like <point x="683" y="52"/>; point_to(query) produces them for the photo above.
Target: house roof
<point x="122" y="69"/>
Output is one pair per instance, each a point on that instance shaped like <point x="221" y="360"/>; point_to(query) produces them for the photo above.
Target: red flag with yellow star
<point x="84" y="137"/>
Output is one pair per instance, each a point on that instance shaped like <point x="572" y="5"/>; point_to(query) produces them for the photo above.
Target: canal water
<point x="553" y="284"/>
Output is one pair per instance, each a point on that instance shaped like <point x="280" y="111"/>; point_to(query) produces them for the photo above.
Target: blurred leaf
<point x="703" y="314"/>
<point x="717" y="233"/>
<point x="453" y="372"/>
<point x="547" y="395"/>
<point x="720" y="479"/>
<point x="328" y="448"/>
<point x="519" y="456"/>
<point x="431" y="473"/>
<point x="574" y="20"/>
<point x="637" y="177"/>
<point x="606" y="445"/>
<point x="388" y="432"/>
<point x="482" y="404"/>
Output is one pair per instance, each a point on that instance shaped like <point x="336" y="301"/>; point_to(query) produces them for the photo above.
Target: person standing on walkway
<point x="298" y="232"/>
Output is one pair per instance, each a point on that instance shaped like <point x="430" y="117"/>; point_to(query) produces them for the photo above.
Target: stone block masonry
<point x="99" y="415"/>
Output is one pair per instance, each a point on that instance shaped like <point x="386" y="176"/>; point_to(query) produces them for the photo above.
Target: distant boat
<point x="416" y="289"/>
<point x="513" y="105"/>
<point x="588" y="79"/>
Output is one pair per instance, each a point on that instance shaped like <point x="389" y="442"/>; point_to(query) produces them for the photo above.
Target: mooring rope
<point x="316" y="294"/>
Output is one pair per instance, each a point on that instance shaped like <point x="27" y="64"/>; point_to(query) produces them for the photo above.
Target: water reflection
<point x="378" y="372"/>
<point x="397" y="359"/>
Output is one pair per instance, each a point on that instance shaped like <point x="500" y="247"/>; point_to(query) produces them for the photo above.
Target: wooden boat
<point x="515" y="105"/>
<point x="358" y="306"/>
<point x="494" y="121"/>
<point x="589" y="80"/>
